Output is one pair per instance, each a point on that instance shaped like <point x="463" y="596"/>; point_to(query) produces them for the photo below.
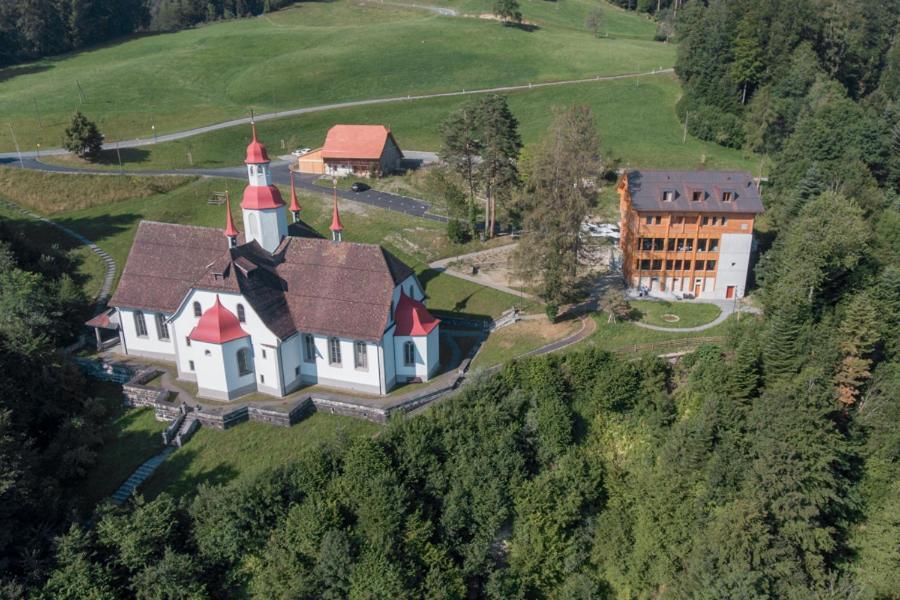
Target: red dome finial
<point x="336" y="226"/>
<point x="256" y="151"/>
<point x="231" y="231"/>
<point x="295" y="206"/>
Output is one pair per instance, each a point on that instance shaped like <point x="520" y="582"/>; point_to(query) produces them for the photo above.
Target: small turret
<point x="231" y="231"/>
<point x="295" y="206"/>
<point x="336" y="226"/>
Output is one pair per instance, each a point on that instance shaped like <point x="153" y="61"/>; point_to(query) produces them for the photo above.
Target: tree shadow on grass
<point x="171" y="475"/>
<point x="100" y="228"/>
<point x="110" y="156"/>
<point x="13" y="72"/>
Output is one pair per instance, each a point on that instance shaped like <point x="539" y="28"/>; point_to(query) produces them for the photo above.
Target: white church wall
<point x="433" y="356"/>
<point x="150" y="345"/>
<point x="292" y="362"/>
<point x="389" y="360"/>
<point x="266" y="226"/>
<point x="420" y="367"/>
<point x="344" y="375"/>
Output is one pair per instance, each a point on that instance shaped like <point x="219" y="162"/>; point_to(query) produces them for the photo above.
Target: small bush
<point x="457" y="232"/>
<point x="552" y="309"/>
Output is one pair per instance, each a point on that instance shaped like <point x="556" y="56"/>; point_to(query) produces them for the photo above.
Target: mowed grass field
<point x="635" y="118"/>
<point x="311" y="54"/>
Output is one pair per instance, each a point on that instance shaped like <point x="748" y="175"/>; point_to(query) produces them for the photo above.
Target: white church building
<point x="275" y="308"/>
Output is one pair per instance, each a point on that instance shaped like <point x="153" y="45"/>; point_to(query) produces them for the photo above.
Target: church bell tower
<point x="262" y="207"/>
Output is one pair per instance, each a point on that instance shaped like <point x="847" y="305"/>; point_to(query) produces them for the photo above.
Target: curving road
<point x="280" y="175"/>
<point x="180" y="135"/>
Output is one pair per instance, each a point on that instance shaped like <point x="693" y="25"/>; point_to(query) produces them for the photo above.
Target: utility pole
<point x="119" y="155"/>
<point x="80" y="91"/>
<point x="16" y="142"/>
<point x="684" y="135"/>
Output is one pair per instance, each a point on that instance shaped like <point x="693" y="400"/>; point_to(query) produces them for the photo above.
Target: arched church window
<point x="140" y="325"/>
<point x="409" y="354"/>
<point x="243" y="361"/>
<point x="241" y="316"/>
<point x="197" y="310"/>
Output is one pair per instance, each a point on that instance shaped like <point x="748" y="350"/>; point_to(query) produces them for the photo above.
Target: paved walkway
<point x="109" y="263"/>
<point x="180" y="135"/>
<point x="588" y="326"/>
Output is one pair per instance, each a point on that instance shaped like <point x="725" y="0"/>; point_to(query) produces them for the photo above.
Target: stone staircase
<point x="140" y="476"/>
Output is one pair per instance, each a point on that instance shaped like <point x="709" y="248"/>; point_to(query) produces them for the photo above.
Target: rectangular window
<point x="409" y="354"/>
<point x="697" y="196"/>
<point x="715" y="220"/>
<point x="187" y="341"/>
<point x="689" y="244"/>
<point x="658" y="243"/>
<point x="714" y="245"/>
<point x="360" y="355"/>
<point x="262" y="378"/>
<point x="704" y="221"/>
<point x="190" y="365"/>
<point x="678" y="265"/>
<point x="710" y="265"/>
<point x="649" y="219"/>
<point x="671" y="244"/>
<point x="645" y="264"/>
<point x="724" y="220"/>
<point x="669" y="265"/>
<point x="334" y="351"/>
<point x="162" y="330"/>
<point x="680" y="244"/>
<point x="309" y="348"/>
<point x="727" y="196"/>
<point x="677" y="220"/>
<point x="297" y="371"/>
<point x="701" y="245"/>
<point x="668" y="196"/>
<point x="687" y="265"/>
<point x="646" y="243"/>
<point x="263" y="352"/>
<point x="658" y="220"/>
<point x="657" y="264"/>
<point x="140" y="325"/>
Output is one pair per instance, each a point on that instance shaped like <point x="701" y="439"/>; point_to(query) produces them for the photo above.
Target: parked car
<point x="301" y="151"/>
<point x="359" y="186"/>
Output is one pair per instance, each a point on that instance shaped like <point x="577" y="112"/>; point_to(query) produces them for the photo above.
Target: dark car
<point x="359" y="186"/>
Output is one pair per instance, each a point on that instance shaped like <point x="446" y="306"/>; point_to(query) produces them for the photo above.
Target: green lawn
<point x="246" y="450"/>
<point x="447" y="293"/>
<point x="636" y="121"/>
<point x="689" y="314"/>
<point x="311" y="54"/>
<point x="132" y="439"/>
<point x="623" y="336"/>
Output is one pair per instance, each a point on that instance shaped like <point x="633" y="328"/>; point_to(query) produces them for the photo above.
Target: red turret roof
<point x="217" y="325"/>
<point x="335" y="216"/>
<point x="230" y="230"/>
<point x="256" y="151"/>
<point x="258" y="197"/>
<point x="295" y="206"/>
<point x="412" y="317"/>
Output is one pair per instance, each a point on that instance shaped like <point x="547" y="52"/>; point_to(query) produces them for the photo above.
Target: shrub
<point x="457" y="231"/>
<point x="552" y="309"/>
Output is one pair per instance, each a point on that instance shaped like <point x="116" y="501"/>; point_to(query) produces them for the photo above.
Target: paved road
<point x="280" y="175"/>
<point x="179" y="135"/>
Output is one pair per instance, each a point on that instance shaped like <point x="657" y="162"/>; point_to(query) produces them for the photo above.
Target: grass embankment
<point x="246" y="450"/>
<point x="54" y="193"/>
<point x="636" y="121"/>
<point x="131" y="439"/>
<point x="689" y="314"/>
<point x="524" y="336"/>
<point x="89" y="269"/>
<point x="312" y="54"/>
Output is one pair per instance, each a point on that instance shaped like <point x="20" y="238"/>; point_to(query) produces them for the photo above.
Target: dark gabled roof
<point x="308" y="284"/>
<point x="164" y="262"/>
<point x="647" y="189"/>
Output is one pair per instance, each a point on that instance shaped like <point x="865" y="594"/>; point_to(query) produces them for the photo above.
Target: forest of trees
<point x="32" y="29"/>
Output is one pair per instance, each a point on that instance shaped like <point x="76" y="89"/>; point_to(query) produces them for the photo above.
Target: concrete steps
<point x="140" y="476"/>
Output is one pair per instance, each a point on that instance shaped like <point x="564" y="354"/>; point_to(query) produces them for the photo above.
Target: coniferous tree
<point x="82" y="137"/>
<point x="497" y="170"/>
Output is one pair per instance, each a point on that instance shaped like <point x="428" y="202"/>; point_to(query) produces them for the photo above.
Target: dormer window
<point x="197" y="310"/>
<point x="668" y="196"/>
<point x="727" y="196"/>
<point x="697" y="195"/>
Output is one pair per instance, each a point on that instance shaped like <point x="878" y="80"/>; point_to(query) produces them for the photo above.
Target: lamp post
<point x="153" y="127"/>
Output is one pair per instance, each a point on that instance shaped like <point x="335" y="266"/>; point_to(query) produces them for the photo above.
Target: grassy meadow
<point x="311" y="54"/>
<point x="635" y="118"/>
<point x="689" y="314"/>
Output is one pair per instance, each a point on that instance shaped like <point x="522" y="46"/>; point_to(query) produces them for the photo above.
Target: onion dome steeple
<point x="231" y="231"/>
<point x="295" y="206"/>
<point x="336" y="226"/>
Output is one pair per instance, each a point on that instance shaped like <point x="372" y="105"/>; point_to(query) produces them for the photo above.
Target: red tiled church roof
<point x="217" y="325"/>
<point x="412" y="317"/>
<point x="260" y="197"/>
<point x="256" y="151"/>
